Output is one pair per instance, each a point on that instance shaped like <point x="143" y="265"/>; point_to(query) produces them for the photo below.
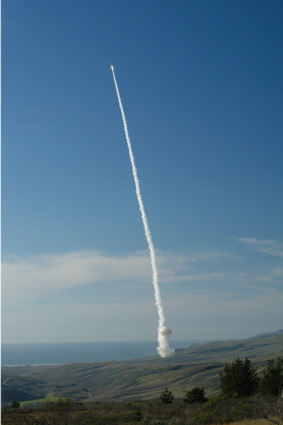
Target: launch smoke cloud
<point x="164" y="333"/>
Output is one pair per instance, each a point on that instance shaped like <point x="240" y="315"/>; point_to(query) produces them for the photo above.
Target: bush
<point x="138" y="414"/>
<point x="224" y="409"/>
<point x="15" y="404"/>
<point x="196" y="395"/>
<point x="166" y="396"/>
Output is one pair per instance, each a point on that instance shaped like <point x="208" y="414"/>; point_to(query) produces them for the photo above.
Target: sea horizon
<point x="57" y="353"/>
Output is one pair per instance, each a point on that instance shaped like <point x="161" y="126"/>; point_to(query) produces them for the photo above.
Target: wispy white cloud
<point x="267" y="246"/>
<point x="213" y="257"/>
<point x="34" y="277"/>
<point x="275" y="275"/>
<point x="195" y="277"/>
<point x="64" y="294"/>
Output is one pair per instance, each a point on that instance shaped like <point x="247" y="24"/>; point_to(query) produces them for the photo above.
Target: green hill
<point x="197" y="365"/>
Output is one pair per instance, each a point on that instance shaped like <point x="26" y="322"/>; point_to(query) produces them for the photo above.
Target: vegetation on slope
<point x="196" y="366"/>
<point x="245" y="394"/>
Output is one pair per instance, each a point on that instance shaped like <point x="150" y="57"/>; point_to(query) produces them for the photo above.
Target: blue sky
<point x="201" y="84"/>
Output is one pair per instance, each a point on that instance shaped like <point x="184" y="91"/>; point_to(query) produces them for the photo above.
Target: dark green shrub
<point x="224" y="409"/>
<point x="15" y="404"/>
<point x="196" y="395"/>
<point x="166" y="396"/>
<point x="138" y="414"/>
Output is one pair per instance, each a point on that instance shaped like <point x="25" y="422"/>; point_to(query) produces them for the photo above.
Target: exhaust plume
<point x="164" y="333"/>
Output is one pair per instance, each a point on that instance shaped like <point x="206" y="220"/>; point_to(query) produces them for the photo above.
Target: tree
<point x="196" y="395"/>
<point x="15" y="404"/>
<point x="272" y="381"/>
<point x="166" y="396"/>
<point x="239" y="378"/>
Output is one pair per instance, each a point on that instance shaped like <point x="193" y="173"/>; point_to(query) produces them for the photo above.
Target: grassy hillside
<point x="198" y="365"/>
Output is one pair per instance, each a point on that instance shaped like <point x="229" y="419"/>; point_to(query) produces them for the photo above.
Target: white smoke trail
<point x="164" y="333"/>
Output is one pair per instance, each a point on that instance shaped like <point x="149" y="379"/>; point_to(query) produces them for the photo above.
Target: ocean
<point x="79" y="352"/>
